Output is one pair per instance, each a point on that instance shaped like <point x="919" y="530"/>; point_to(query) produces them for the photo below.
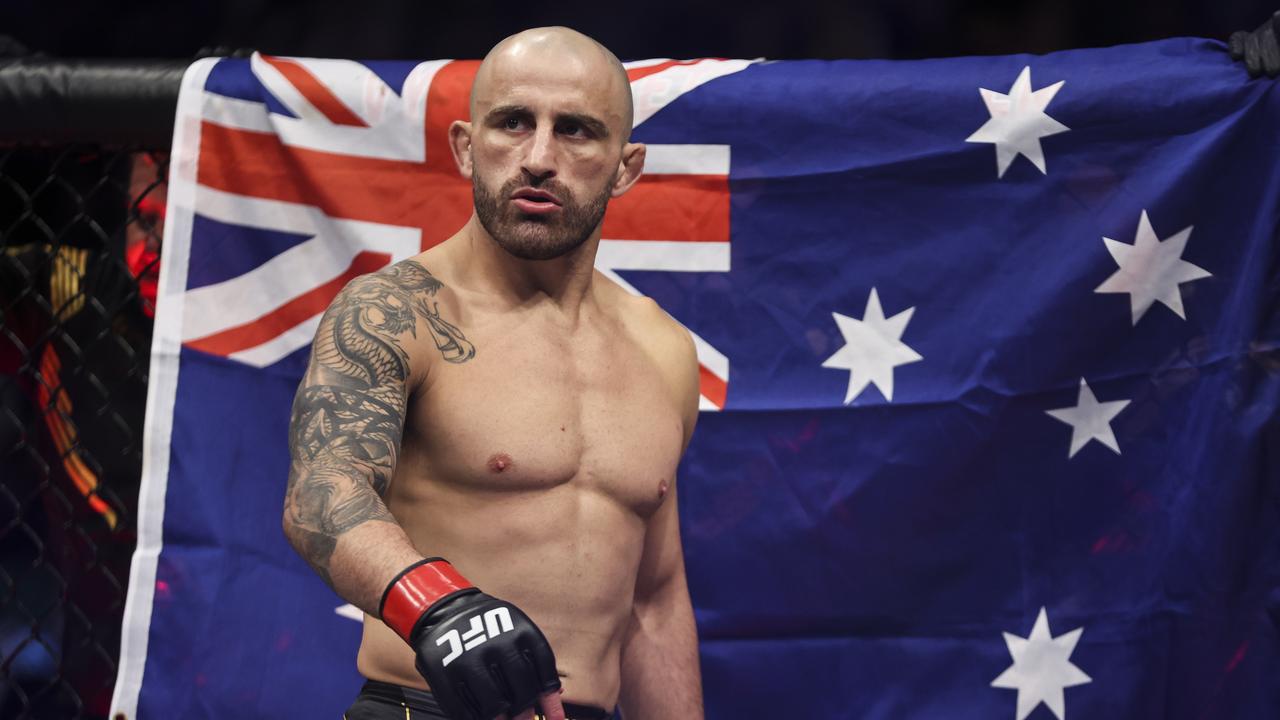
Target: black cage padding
<point x="107" y="102"/>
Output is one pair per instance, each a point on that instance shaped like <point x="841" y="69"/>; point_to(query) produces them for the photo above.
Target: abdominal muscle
<point x="566" y="555"/>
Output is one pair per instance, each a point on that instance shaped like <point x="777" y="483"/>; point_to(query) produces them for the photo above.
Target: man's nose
<point x="540" y="154"/>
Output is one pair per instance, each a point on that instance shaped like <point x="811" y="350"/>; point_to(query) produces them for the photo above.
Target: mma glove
<point x="481" y="656"/>
<point x="1259" y="49"/>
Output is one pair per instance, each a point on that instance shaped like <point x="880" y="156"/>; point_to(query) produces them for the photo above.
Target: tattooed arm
<point x="346" y="425"/>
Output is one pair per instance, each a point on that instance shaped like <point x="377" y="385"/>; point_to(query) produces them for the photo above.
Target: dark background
<point x="651" y="28"/>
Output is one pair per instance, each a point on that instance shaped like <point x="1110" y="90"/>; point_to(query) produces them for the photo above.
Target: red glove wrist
<point x="412" y="593"/>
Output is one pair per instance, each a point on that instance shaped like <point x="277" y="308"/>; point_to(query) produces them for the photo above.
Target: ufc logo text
<point x="495" y="622"/>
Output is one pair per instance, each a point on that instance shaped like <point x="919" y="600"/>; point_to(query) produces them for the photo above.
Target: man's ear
<point x="630" y="167"/>
<point x="460" y="144"/>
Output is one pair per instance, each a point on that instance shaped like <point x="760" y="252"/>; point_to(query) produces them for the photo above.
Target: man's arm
<point x="661" y="677"/>
<point x="348" y="419"/>
<point x="344" y="437"/>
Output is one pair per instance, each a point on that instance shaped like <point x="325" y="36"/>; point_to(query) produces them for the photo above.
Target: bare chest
<point x="535" y="410"/>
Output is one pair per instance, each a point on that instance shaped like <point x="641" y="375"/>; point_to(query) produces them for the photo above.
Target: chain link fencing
<point x="80" y="232"/>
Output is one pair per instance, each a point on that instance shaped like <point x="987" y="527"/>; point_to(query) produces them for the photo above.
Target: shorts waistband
<point x="424" y="701"/>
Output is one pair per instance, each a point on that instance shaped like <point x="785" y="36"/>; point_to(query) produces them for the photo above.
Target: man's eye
<point x="572" y="130"/>
<point x="512" y="123"/>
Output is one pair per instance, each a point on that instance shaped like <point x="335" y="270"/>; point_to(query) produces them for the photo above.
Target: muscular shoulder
<point x="666" y="341"/>
<point x="395" y="287"/>
<point x="394" y="316"/>
<point x="669" y="339"/>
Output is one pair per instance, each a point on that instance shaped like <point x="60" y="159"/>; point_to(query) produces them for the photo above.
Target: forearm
<point x="357" y="556"/>
<point x="661" y="677"/>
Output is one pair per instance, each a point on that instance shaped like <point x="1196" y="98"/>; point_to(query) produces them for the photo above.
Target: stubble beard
<point x="536" y="237"/>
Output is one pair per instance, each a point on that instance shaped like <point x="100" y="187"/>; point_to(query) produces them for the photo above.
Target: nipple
<point x="662" y="489"/>
<point x="499" y="462"/>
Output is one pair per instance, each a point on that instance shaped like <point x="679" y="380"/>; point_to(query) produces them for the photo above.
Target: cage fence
<point x="80" y="232"/>
<point x="83" y="162"/>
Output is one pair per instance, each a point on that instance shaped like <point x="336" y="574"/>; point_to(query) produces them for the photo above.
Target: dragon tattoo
<point x="349" y="413"/>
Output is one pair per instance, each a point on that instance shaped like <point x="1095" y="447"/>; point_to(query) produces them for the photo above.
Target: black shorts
<point x="379" y="701"/>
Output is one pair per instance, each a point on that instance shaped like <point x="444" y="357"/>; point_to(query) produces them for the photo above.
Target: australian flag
<point x="990" y="372"/>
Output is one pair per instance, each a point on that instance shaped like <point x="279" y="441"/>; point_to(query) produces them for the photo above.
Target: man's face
<point x="546" y="148"/>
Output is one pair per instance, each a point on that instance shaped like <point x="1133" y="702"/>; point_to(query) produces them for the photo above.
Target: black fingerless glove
<point x="481" y="656"/>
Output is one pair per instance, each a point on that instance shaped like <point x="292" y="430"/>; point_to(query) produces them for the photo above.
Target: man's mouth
<point x="535" y="202"/>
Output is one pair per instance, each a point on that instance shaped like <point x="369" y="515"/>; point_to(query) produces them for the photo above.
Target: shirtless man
<point x="496" y="402"/>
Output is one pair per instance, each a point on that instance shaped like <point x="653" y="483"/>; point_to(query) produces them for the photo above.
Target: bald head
<point x="559" y="52"/>
<point x="548" y="142"/>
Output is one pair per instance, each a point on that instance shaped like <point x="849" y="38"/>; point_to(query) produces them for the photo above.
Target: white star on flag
<point x="873" y="348"/>
<point x="1151" y="269"/>
<point x="1041" y="668"/>
<point x="1090" y="420"/>
<point x="1018" y="121"/>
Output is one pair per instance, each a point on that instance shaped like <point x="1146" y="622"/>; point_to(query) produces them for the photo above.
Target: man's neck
<point x="484" y="266"/>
